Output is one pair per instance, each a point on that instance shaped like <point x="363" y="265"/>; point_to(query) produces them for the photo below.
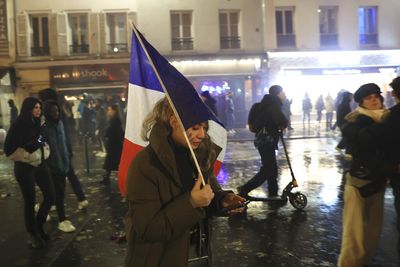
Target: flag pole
<point x="171" y="104"/>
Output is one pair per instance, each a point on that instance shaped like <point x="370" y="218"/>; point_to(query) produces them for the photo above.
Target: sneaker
<point x="66" y="226"/>
<point x="35" y="241"/>
<point x="348" y="157"/>
<point x="83" y="204"/>
<point x="48" y="218"/>
<point x="53" y="208"/>
<point x="338" y="149"/>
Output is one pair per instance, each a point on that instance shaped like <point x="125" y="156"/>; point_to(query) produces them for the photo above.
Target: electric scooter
<point x="297" y="199"/>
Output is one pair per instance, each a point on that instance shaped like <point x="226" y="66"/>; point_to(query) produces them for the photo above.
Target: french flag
<point x="151" y="74"/>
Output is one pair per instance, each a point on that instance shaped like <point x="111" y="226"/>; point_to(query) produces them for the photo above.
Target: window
<point x="40" y="35"/>
<point x="181" y="30"/>
<point x="229" y="29"/>
<point x="367" y="25"/>
<point x="328" y="16"/>
<point x="78" y="24"/>
<point x="284" y="27"/>
<point x="116" y="33"/>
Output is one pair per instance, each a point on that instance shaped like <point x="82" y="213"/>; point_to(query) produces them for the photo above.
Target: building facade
<point x="223" y="46"/>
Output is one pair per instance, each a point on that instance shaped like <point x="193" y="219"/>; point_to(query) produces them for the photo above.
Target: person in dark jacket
<point x="25" y="145"/>
<point x="51" y="94"/>
<point x="58" y="162"/>
<point x="210" y="101"/>
<point x="164" y="198"/>
<point x="114" y="140"/>
<point x="343" y="109"/>
<point x="392" y="124"/>
<point x="365" y="182"/>
<point x="274" y="123"/>
<point x="13" y="111"/>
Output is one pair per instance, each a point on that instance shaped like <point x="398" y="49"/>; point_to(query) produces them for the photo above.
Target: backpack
<point x="255" y="120"/>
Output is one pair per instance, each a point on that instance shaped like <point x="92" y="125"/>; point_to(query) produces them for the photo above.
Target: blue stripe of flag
<point x="186" y="100"/>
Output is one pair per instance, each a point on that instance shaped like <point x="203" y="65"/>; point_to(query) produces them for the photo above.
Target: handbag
<point x="34" y="158"/>
<point x="263" y="139"/>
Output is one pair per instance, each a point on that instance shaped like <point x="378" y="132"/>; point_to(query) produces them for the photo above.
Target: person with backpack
<point x="266" y="120"/>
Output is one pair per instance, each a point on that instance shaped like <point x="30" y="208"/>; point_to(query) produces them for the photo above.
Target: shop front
<point x="323" y="73"/>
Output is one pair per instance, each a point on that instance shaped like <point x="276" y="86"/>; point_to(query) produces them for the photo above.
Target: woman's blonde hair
<point x="162" y="113"/>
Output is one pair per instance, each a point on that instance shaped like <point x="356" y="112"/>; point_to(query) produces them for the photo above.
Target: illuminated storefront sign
<point x="89" y="73"/>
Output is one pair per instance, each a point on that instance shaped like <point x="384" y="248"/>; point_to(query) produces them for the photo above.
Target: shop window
<point x="181" y="30"/>
<point x="229" y="29"/>
<point x="367" y="25"/>
<point x="284" y="27"/>
<point x="39" y="35"/>
<point x="78" y="24"/>
<point x="328" y="20"/>
<point x="116" y="37"/>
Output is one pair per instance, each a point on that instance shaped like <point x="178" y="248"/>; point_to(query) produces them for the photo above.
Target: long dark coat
<point x="114" y="139"/>
<point x="160" y="215"/>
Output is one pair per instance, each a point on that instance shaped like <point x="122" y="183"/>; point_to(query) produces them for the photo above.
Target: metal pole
<point x="86" y="137"/>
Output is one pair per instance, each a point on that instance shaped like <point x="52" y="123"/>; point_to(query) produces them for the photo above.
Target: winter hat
<point x="395" y="84"/>
<point x="275" y="89"/>
<point x="366" y="90"/>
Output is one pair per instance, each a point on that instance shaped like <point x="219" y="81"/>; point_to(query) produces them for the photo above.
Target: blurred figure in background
<point x="286" y="104"/>
<point x="114" y="140"/>
<point x="329" y="108"/>
<point x="319" y="107"/>
<point x="229" y="113"/>
<point x="344" y="108"/>
<point x="101" y="122"/>
<point x="210" y="101"/>
<point x="306" y="107"/>
<point x="13" y="111"/>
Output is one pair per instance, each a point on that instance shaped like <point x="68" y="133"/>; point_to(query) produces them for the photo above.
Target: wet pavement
<point x="266" y="235"/>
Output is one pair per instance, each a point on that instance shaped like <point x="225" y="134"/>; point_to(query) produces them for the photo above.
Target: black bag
<point x="255" y="120"/>
<point x="263" y="139"/>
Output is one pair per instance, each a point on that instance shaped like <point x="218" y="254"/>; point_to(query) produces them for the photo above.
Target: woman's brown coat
<point x="160" y="215"/>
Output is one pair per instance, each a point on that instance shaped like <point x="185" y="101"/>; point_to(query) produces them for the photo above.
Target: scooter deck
<point x="267" y="199"/>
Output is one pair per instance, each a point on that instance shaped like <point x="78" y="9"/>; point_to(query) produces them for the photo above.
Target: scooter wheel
<point x="298" y="200"/>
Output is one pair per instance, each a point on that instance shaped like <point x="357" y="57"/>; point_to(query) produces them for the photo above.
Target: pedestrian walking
<point x="51" y="94"/>
<point x="114" y="140"/>
<point x="319" y="107"/>
<point x="329" y="108"/>
<point x="25" y="145"/>
<point x="286" y="109"/>
<point x="210" y="101"/>
<point x="344" y="108"/>
<point x="58" y="162"/>
<point x="274" y="122"/>
<point x="101" y="123"/>
<point x="229" y="113"/>
<point x="365" y="181"/>
<point x="306" y="107"/>
<point x="13" y="111"/>
<point x="165" y="201"/>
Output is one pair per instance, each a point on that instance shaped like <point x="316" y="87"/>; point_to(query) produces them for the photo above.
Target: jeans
<point x="75" y="184"/>
<point x="27" y="176"/>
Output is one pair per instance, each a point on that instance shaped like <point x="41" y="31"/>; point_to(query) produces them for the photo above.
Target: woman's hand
<point x="201" y="197"/>
<point x="232" y="200"/>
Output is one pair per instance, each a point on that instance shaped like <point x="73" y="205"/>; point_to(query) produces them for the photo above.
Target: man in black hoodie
<point x="274" y="122"/>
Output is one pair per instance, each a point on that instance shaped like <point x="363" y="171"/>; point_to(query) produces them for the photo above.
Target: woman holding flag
<point x="167" y="201"/>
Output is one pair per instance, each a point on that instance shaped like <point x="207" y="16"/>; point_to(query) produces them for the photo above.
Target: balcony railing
<point x="286" y="40"/>
<point x="117" y="48"/>
<point x="369" y="39"/>
<point x="185" y="43"/>
<point x="40" y="51"/>
<point x="79" y="49"/>
<point x="328" y="39"/>
<point x="230" y="42"/>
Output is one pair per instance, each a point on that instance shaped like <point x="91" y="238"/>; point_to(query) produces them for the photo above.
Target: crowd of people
<point x="39" y="143"/>
<point x="170" y="198"/>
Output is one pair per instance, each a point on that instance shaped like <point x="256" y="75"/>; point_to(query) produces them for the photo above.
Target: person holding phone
<point x="166" y="199"/>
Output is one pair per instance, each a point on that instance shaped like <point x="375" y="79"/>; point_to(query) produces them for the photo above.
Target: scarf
<point x="377" y="114"/>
